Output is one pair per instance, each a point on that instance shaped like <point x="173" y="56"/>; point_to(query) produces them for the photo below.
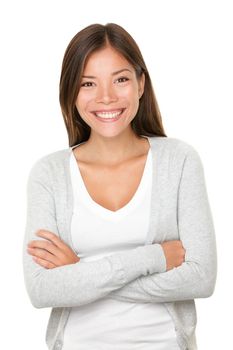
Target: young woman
<point x="119" y="237"/>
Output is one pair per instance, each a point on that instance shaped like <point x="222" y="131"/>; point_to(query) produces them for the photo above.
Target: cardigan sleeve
<point x="196" y="277"/>
<point x="82" y="282"/>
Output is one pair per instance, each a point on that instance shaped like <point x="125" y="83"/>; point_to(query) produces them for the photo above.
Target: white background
<point x="187" y="46"/>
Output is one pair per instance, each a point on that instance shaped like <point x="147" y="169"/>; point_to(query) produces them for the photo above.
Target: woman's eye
<point x="90" y="84"/>
<point x="87" y="84"/>
<point x="122" y="79"/>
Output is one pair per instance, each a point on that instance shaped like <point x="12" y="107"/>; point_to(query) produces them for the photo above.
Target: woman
<point x="119" y="236"/>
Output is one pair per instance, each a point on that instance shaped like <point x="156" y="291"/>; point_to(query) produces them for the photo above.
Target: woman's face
<point x="108" y="98"/>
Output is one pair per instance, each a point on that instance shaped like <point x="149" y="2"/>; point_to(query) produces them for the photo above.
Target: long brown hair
<point x="148" y="119"/>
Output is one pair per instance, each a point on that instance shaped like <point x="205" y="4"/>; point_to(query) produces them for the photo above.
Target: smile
<point x="112" y="115"/>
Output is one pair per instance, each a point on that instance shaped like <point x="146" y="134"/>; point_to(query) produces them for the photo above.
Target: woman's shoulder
<point x="55" y="156"/>
<point x="52" y="161"/>
<point x="174" y="145"/>
<point x="174" y="152"/>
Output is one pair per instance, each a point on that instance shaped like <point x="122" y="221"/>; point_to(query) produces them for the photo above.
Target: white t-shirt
<point x="107" y="324"/>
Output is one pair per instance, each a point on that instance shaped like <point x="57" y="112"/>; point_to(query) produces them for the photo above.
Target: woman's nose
<point x="106" y="94"/>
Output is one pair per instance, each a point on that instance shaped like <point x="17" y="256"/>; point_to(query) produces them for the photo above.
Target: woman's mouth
<point x="109" y="116"/>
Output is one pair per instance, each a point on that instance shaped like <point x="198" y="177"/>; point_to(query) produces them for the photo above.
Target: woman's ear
<point x="141" y="84"/>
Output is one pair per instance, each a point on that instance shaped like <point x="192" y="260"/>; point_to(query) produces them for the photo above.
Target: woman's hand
<point x="174" y="253"/>
<point x="52" y="252"/>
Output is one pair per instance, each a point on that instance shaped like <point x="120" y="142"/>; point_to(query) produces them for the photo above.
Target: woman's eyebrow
<point x="114" y="73"/>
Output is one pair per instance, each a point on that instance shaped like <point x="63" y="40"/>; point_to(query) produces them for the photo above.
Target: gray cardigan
<point x="179" y="210"/>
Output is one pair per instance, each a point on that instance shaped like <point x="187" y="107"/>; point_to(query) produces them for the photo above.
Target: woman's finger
<point x="44" y="254"/>
<point x="52" y="249"/>
<point x="44" y="263"/>
<point x="52" y="237"/>
<point x="57" y="241"/>
<point x="46" y="245"/>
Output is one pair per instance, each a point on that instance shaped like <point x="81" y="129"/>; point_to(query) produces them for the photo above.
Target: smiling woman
<point x="119" y="238"/>
<point x="108" y="95"/>
<point x="88" y="72"/>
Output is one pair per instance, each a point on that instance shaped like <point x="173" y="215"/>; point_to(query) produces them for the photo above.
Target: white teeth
<point x="108" y="114"/>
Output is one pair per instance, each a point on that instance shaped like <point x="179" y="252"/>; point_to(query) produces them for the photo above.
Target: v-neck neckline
<point x="81" y="190"/>
<point x="155" y="206"/>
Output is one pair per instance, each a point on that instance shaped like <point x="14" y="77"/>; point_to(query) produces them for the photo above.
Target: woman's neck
<point x="113" y="150"/>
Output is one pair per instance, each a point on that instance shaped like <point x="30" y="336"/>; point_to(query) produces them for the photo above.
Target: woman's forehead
<point x="107" y="58"/>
